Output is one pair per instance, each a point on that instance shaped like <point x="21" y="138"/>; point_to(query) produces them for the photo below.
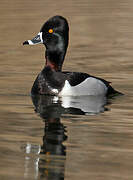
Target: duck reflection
<point x="51" y="167"/>
<point x="50" y="109"/>
<point x="53" y="106"/>
<point x="51" y="163"/>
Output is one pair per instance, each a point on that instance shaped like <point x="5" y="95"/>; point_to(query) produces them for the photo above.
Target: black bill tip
<point x="26" y="43"/>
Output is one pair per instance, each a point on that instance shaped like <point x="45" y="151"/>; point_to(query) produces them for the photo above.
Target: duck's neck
<point x="54" y="59"/>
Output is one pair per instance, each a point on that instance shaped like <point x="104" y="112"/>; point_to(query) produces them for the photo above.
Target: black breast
<point x="48" y="80"/>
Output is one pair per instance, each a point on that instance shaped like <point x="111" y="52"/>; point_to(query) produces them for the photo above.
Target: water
<point x="51" y="138"/>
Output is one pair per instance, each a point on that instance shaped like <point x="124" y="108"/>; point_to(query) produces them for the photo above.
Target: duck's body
<point x="70" y="84"/>
<point x="51" y="80"/>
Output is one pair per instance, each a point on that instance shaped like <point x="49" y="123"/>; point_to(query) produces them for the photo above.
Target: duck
<point x="54" y="35"/>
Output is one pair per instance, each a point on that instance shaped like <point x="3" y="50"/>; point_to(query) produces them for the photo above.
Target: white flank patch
<point x="90" y="86"/>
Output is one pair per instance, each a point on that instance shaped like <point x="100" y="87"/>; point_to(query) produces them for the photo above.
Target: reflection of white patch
<point x="90" y="86"/>
<point x="88" y="104"/>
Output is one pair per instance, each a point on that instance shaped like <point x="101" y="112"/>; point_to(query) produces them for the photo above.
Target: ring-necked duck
<point x="54" y="34"/>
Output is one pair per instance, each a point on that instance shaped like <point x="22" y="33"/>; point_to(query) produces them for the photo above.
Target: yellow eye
<point x="50" y="31"/>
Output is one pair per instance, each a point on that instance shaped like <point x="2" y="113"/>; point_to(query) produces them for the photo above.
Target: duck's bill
<point x="36" y="40"/>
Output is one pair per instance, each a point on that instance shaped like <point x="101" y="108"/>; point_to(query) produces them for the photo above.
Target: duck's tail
<point x="112" y="92"/>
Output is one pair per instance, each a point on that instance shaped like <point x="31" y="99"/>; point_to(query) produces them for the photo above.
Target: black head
<point x="54" y="34"/>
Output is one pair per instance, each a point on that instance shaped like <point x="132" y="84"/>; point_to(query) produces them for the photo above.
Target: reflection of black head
<point x="54" y="137"/>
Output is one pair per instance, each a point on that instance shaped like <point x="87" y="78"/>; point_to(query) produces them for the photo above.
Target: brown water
<point x="66" y="143"/>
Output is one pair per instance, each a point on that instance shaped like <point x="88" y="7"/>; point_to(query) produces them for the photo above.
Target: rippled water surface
<point x="71" y="139"/>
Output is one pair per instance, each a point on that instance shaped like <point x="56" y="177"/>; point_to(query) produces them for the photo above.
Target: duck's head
<point x="54" y="34"/>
